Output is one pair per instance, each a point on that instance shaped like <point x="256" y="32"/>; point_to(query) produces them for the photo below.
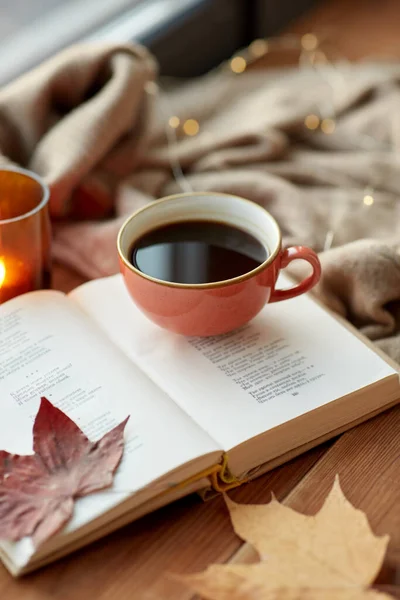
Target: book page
<point x="292" y="358"/>
<point x="48" y="347"/>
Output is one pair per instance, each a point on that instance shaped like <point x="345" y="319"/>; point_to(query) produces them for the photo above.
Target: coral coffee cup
<point x="211" y="308"/>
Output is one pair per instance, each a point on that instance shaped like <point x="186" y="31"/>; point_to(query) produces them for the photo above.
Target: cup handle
<point x="294" y="253"/>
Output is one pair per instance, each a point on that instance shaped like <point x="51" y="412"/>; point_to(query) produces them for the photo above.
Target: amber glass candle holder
<point x="25" y="237"/>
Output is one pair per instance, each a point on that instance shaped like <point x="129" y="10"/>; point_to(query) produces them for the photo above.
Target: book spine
<point x="222" y="479"/>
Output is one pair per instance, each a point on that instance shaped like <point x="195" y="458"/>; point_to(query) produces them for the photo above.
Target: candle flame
<point x="2" y="272"/>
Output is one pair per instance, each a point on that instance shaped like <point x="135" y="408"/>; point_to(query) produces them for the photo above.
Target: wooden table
<point x="185" y="537"/>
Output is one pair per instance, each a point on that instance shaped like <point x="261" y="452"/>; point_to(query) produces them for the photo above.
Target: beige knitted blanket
<point x="91" y="123"/>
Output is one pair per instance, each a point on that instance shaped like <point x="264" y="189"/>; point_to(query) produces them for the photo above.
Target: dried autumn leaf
<point x="37" y="491"/>
<point x="215" y="589"/>
<point x="333" y="555"/>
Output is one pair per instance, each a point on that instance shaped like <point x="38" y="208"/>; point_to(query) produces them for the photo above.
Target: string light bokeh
<point x="312" y="55"/>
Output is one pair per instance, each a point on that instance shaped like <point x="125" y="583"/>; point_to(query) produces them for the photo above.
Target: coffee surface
<point x="195" y="252"/>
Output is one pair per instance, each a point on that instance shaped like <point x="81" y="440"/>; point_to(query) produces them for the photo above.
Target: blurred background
<point x="189" y="37"/>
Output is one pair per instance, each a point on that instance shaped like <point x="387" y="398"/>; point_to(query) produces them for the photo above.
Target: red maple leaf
<point x="37" y="491"/>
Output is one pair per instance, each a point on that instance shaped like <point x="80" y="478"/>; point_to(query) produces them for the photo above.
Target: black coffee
<point x="197" y="252"/>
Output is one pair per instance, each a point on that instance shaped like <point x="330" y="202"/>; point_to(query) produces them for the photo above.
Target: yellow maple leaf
<point x="333" y="555"/>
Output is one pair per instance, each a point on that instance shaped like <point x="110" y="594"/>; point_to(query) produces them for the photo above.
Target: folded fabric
<point x="91" y="122"/>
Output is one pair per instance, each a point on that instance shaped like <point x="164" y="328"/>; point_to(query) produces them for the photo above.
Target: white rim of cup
<point x="197" y="286"/>
<point x="42" y="203"/>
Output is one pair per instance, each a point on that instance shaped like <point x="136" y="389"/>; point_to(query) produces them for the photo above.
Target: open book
<point x="203" y="412"/>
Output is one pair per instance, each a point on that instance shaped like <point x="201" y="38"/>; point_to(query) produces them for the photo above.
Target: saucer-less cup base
<point x="214" y="308"/>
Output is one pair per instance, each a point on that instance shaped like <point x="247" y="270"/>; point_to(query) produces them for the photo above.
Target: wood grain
<point x="131" y="563"/>
<point x="188" y="535"/>
<point x="367" y="460"/>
